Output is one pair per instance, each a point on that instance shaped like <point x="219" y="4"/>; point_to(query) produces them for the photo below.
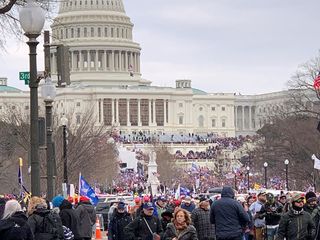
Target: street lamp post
<point x="64" y="123"/>
<point x="48" y="92"/>
<point x="265" y="165"/>
<point x="248" y="173"/>
<point x="286" y="162"/>
<point x="32" y="21"/>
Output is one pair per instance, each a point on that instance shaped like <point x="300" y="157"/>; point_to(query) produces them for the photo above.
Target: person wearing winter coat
<point x="14" y="224"/>
<point x="201" y="220"/>
<point x="145" y="226"/>
<point x="119" y="221"/>
<point x="2" y="205"/>
<point x="188" y="204"/>
<point x="87" y="216"/>
<point x="68" y="215"/>
<point x="180" y="228"/>
<point x="229" y="216"/>
<point x="296" y="224"/>
<point x="44" y="224"/>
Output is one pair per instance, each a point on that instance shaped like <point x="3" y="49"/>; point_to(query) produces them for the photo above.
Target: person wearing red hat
<point x="87" y="215"/>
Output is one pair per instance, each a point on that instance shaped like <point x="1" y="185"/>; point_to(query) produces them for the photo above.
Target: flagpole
<point x="79" y="186"/>
<point x="20" y="177"/>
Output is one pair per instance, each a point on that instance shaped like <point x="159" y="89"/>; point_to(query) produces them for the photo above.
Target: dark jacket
<point x="228" y="215"/>
<point x="138" y="229"/>
<point x="201" y="221"/>
<point x="36" y="223"/>
<point x="316" y="219"/>
<point x="70" y="218"/>
<point x="87" y="216"/>
<point x="117" y="225"/>
<point x="15" y="228"/>
<point x="272" y="213"/>
<point x="296" y="226"/>
<point x="187" y="234"/>
<point x="2" y="205"/>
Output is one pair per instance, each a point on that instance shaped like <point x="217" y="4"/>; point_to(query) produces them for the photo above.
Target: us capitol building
<point x="105" y="75"/>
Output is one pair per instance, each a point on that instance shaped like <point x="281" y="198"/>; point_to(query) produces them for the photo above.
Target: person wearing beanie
<point x="311" y="202"/>
<point x="87" y="215"/>
<point x="296" y="224"/>
<point x="56" y="201"/>
<point x="70" y="219"/>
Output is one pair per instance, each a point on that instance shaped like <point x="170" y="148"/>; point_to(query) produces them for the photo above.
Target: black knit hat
<point x="311" y="196"/>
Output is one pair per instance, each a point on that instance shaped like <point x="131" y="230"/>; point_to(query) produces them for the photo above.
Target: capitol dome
<point x="97" y="36"/>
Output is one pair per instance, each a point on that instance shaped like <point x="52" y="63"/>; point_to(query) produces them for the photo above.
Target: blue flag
<point x="86" y="190"/>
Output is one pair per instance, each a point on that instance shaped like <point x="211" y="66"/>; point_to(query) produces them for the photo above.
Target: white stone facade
<point x="104" y="64"/>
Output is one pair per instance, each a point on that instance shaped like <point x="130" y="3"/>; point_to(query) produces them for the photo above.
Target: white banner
<point x="316" y="162"/>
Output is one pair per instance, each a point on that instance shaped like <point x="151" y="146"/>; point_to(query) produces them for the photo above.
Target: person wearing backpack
<point x="14" y="224"/>
<point x="87" y="215"/>
<point x="68" y="215"/>
<point x="44" y="224"/>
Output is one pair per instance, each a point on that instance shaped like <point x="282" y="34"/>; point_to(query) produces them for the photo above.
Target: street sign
<point x="26" y="82"/>
<point x="25" y="76"/>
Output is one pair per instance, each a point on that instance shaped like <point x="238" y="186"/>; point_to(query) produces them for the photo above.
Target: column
<point x="126" y="61"/>
<point x="138" y="63"/>
<point x="250" y="120"/>
<point x="136" y="60"/>
<point x="88" y="60"/>
<point x="54" y="63"/>
<point x="112" y="111"/>
<point x="164" y="112"/>
<point x="117" y="110"/>
<point x="235" y="117"/>
<point x="139" y="112"/>
<point x="242" y="117"/>
<point x="80" y="61"/>
<point x="96" y="60"/>
<point x="154" y="112"/>
<point x="150" y="113"/>
<point x="128" y="113"/>
<point x="104" y="60"/>
<point x="72" y="61"/>
<point x="130" y="60"/>
<point x="112" y="60"/>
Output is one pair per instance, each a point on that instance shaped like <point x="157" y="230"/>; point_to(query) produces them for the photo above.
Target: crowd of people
<point x="191" y="138"/>
<point x="261" y="216"/>
<point x="39" y="219"/>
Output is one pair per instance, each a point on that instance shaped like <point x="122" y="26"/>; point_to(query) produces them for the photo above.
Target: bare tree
<point x="166" y="165"/>
<point x="293" y="138"/>
<point x="9" y="20"/>
<point x="88" y="151"/>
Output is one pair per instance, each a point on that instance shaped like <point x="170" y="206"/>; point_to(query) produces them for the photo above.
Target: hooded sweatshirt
<point x="228" y="215"/>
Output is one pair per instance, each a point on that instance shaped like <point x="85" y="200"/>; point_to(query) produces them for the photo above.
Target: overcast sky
<point x="246" y="46"/>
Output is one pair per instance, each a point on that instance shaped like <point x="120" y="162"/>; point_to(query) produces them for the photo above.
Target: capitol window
<point x="99" y="32"/>
<point x="181" y="105"/>
<point x="213" y="108"/>
<point x="223" y="123"/>
<point x="92" y="32"/>
<point x="78" y="104"/>
<point x="223" y="108"/>
<point x="200" y="109"/>
<point x="85" y="32"/>
<point x="78" y="32"/>
<point x="180" y="120"/>
<point x="213" y="123"/>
